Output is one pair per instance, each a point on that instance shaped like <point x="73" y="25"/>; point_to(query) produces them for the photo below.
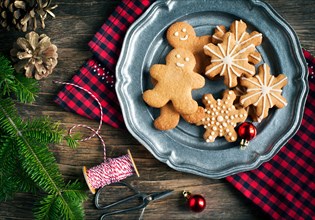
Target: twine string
<point x="112" y="169"/>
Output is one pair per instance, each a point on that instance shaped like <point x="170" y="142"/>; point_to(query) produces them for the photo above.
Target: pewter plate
<point x="183" y="148"/>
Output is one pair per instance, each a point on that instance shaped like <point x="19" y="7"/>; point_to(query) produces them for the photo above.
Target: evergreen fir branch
<point x="67" y="205"/>
<point x="40" y="164"/>
<point x="42" y="130"/>
<point x="77" y="189"/>
<point x="12" y="83"/>
<point x="26" y="89"/>
<point x="10" y="121"/>
<point x="7" y="79"/>
<point x="64" y="201"/>
<point x="46" y="209"/>
<point x="8" y="168"/>
<point x="12" y="177"/>
<point x="73" y="140"/>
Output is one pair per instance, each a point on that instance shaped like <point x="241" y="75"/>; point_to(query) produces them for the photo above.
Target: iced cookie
<point x="230" y="60"/>
<point x="251" y="111"/>
<point x="219" y="117"/>
<point x="263" y="91"/>
<point x="175" y="82"/>
<point x="238" y="28"/>
<point x="183" y="35"/>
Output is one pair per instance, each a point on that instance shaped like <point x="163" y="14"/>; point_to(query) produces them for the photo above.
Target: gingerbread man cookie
<point x="183" y="35"/>
<point x="168" y="119"/>
<point x="175" y="82"/>
<point x="238" y="28"/>
<point x="263" y="91"/>
<point x="230" y="60"/>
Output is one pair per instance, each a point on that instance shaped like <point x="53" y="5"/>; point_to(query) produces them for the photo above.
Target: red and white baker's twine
<point x="112" y="169"/>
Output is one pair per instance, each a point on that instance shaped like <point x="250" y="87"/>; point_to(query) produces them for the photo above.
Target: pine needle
<point x="31" y="139"/>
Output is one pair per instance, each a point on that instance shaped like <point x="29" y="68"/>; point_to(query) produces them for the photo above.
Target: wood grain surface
<point x="75" y="24"/>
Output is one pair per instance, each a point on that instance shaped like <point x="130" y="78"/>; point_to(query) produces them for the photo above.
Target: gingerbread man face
<point x="180" y="33"/>
<point x="183" y="35"/>
<point x="181" y="58"/>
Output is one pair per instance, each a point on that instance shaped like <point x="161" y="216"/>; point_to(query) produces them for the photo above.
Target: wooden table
<point x="74" y="26"/>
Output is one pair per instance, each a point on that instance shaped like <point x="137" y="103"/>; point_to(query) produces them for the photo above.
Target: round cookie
<point x="175" y="82"/>
<point x="183" y="35"/>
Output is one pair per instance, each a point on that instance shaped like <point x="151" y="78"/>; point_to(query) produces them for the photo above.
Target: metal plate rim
<point x="167" y="158"/>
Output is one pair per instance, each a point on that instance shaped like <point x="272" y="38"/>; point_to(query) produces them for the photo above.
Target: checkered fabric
<point x="97" y="74"/>
<point x="284" y="187"/>
<point x="94" y="77"/>
<point x="106" y="43"/>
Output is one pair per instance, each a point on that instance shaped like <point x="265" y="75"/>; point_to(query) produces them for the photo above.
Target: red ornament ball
<point x="196" y="203"/>
<point x="247" y="131"/>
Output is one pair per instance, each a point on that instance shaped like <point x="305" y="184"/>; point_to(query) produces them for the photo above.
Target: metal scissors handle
<point x="146" y="198"/>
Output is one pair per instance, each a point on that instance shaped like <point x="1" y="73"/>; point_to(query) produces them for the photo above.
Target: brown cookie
<point x="219" y="32"/>
<point x="230" y="60"/>
<point x="168" y="119"/>
<point x="175" y="82"/>
<point x="183" y="35"/>
<point x="251" y="111"/>
<point x="238" y="28"/>
<point x="263" y="91"/>
<point x="219" y="117"/>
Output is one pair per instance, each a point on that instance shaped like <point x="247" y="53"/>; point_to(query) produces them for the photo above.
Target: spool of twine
<point x="112" y="169"/>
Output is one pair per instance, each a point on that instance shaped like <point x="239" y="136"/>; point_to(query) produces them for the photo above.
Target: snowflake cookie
<point x="238" y="28"/>
<point x="221" y="117"/>
<point x="229" y="59"/>
<point x="263" y="91"/>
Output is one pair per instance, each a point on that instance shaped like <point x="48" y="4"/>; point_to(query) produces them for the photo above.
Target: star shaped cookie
<point x="242" y="37"/>
<point x="263" y="91"/>
<point x="221" y="117"/>
<point x="229" y="59"/>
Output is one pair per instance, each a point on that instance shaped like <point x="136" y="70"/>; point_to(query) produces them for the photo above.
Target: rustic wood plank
<point x="75" y="24"/>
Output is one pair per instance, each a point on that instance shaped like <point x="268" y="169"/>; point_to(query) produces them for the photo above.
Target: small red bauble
<point x="247" y="131"/>
<point x="195" y="203"/>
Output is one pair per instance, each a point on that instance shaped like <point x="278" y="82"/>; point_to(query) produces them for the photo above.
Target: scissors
<point x="143" y="197"/>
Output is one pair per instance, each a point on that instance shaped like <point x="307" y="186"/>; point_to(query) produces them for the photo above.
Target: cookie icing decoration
<point x="221" y="117"/>
<point x="175" y="82"/>
<point x="242" y="38"/>
<point x="229" y="60"/>
<point x="264" y="91"/>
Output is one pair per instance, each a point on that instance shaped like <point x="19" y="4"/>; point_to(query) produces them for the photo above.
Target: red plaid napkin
<point x="284" y="187"/>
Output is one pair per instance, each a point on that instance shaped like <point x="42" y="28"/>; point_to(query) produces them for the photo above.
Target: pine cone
<point x="23" y="14"/>
<point x="35" y="54"/>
